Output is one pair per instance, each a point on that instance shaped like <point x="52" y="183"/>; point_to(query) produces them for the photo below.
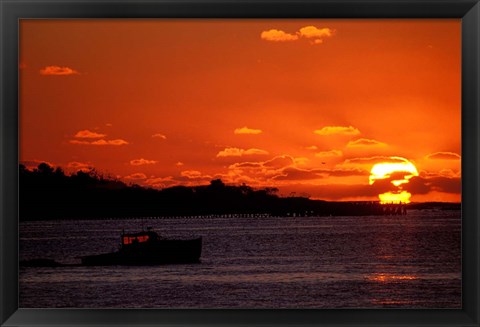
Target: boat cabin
<point x="141" y="237"/>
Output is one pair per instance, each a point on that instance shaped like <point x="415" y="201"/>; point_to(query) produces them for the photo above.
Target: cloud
<point x="283" y="169"/>
<point x="192" y="174"/>
<point x="79" y="142"/>
<point x="160" y="136"/>
<point x="274" y="35"/>
<point x="89" y="134"/>
<point x="279" y="162"/>
<point x="311" y="147"/>
<point x="446" y="185"/>
<point x="421" y="185"/>
<point x="32" y="164"/>
<point x="259" y="171"/>
<point x="141" y="161"/>
<point x="110" y="142"/>
<point x="342" y="130"/>
<point x="247" y="165"/>
<point x="368" y="162"/>
<point x="255" y="151"/>
<point x="76" y="164"/>
<point x="449" y="173"/>
<point x="179" y="164"/>
<point x="364" y="143"/>
<point x="58" y="71"/>
<point x="292" y="173"/>
<point x="301" y="160"/>
<point x="347" y="172"/>
<point x="372" y="160"/>
<point x="444" y="156"/>
<point x="79" y="166"/>
<point x="327" y="154"/>
<point x="336" y="191"/>
<point x="100" y="142"/>
<point x="195" y="177"/>
<point x="236" y="152"/>
<point x="315" y="34"/>
<point x="136" y="176"/>
<point x="160" y="182"/>
<point x="246" y="130"/>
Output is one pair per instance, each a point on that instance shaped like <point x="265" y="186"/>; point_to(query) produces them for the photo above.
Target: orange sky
<point x="308" y="106"/>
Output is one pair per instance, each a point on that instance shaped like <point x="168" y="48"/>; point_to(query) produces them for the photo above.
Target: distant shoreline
<point x="437" y="206"/>
<point x="48" y="194"/>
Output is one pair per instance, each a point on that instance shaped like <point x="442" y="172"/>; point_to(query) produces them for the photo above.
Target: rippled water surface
<point x="411" y="261"/>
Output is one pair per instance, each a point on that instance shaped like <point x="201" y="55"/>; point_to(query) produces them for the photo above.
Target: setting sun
<point x="400" y="170"/>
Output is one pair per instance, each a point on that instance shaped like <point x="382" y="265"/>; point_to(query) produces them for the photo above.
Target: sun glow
<point x="400" y="170"/>
<point x="400" y="197"/>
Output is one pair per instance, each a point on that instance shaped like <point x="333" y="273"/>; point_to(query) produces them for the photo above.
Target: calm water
<point x="411" y="261"/>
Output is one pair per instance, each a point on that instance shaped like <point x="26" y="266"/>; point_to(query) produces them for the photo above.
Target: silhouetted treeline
<point x="48" y="193"/>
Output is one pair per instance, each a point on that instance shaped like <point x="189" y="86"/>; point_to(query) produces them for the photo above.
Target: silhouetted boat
<point x="148" y="248"/>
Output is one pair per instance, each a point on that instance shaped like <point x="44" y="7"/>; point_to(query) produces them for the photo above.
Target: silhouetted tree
<point x="48" y="193"/>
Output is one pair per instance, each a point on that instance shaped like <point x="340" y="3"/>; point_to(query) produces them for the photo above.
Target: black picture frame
<point x="13" y="10"/>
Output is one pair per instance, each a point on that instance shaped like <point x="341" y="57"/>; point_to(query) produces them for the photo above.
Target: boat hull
<point x="152" y="253"/>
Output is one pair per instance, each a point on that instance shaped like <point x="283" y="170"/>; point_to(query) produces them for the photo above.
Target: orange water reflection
<point x="385" y="277"/>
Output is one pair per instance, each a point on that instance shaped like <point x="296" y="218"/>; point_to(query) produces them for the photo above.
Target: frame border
<point x="13" y="10"/>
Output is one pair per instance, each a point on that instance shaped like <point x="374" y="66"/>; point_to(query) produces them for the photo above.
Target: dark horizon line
<point x="99" y="176"/>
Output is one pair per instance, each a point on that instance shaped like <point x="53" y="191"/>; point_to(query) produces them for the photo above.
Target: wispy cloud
<point x="192" y="174"/>
<point x="293" y="173"/>
<point x="314" y="34"/>
<point x="372" y="160"/>
<point x="80" y="142"/>
<point x="110" y="142"/>
<point x="311" y="147"/>
<point x="89" y="134"/>
<point x="444" y="156"/>
<point x="236" y="152"/>
<point x="365" y="143"/>
<point x="179" y="164"/>
<point x="449" y="173"/>
<point x="259" y="171"/>
<point x="116" y="142"/>
<point x="246" y="130"/>
<point x="297" y="174"/>
<point x="58" y="71"/>
<point x="79" y="166"/>
<point x="366" y="163"/>
<point x="160" y="182"/>
<point x="159" y="136"/>
<point x="76" y="164"/>
<point x="141" y="161"/>
<point x="327" y="154"/>
<point x="136" y="176"/>
<point x="274" y="35"/>
<point x="342" y="130"/>
<point x="86" y="134"/>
